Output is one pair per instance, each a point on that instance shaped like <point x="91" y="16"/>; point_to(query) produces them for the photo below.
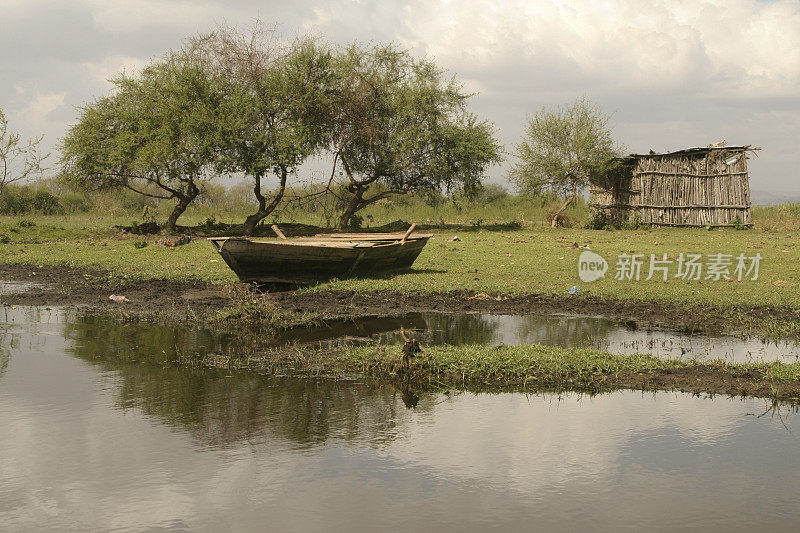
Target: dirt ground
<point x="66" y="286"/>
<point x="704" y="379"/>
<point x="694" y="379"/>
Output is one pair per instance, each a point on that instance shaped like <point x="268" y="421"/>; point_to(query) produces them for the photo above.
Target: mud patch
<point x="18" y="287"/>
<point x="711" y="379"/>
<point x="681" y="317"/>
<point x="68" y="286"/>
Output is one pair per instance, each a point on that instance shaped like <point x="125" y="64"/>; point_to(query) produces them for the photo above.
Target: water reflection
<point x="15" y="322"/>
<point x="141" y="356"/>
<point x="94" y="441"/>
<point x="103" y="333"/>
<point x="615" y="336"/>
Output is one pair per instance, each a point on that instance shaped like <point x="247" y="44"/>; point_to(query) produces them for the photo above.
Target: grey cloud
<point x="671" y="85"/>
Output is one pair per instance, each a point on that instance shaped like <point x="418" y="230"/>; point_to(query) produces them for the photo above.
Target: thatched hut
<point x="692" y="187"/>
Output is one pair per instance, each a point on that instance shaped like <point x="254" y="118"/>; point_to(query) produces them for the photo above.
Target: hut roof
<point x="699" y="150"/>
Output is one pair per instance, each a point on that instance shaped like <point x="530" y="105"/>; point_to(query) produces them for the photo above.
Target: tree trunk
<point x="554" y="222"/>
<point x="352" y="207"/>
<point x="184" y="199"/>
<point x="264" y="210"/>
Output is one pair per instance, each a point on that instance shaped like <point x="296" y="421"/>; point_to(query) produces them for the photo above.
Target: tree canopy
<point x="278" y="105"/>
<point x="562" y="148"/>
<point x="400" y="124"/>
<point x="253" y="104"/>
<point x="157" y="134"/>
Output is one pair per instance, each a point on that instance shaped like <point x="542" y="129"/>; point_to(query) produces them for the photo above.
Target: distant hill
<point x="758" y="197"/>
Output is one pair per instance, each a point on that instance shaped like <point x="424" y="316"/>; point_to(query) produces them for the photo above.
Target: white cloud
<point x="102" y="71"/>
<point x="41" y="106"/>
<point x="740" y="48"/>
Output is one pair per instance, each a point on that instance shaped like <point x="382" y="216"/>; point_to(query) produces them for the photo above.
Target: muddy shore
<point x="190" y="299"/>
<point x="67" y="286"/>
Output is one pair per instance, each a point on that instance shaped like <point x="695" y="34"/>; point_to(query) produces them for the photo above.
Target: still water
<point x="613" y="335"/>
<point x="92" y="440"/>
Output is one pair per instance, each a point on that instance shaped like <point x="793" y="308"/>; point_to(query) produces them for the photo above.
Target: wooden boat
<point x="319" y="257"/>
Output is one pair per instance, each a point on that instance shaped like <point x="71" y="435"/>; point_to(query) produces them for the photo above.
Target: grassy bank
<point x="531" y="368"/>
<point x="534" y="260"/>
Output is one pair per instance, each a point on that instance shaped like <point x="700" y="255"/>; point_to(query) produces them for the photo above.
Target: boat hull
<point x="299" y="262"/>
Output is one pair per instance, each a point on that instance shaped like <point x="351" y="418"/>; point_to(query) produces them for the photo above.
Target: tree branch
<point x="385" y="194"/>
<point x="132" y="188"/>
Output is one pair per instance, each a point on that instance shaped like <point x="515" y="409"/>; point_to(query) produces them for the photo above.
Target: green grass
<point x="545" y="364"/>
<point x="511" y="364"/>
<point x="533" y="260"/>
<point x="543" y="260"/>
<point x="89" y="241"/>
<point x="529" y="367"/>
<point x="252" y="316"/>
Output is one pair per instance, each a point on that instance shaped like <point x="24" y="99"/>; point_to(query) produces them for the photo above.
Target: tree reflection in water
<point x="11" y="336"/>
<point x="221" y="408"/>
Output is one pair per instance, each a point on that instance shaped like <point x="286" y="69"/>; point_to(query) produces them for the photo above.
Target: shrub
<point x="46" y="203"/>
<point x="633" y="222"/>
<point x="738" y="224"/>
<point x="22" y="199"/>
<point x="601" y="219"/>
<point x="356" y="221"/>
<point x="491" y="193"/>
<point x="73" y="202"/>
<point x="598" y="220"/>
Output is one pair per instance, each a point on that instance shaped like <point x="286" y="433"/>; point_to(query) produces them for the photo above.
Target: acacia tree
<point x="400" y="125"/>
<point x="278" y="106"/>
<point x="157" y="134"/>
<point x="19" y="159"/>
<point x="562" y="147"/>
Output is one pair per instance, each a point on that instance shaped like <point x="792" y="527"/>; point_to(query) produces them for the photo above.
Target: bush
<point x="46" y="197"/>
<point x="131" y="201"/>
<point x="19" y="200"/>
<point x="633" y="222"/>
<point x="738" y="224"/>
<point x="356" y="221"/>
<point x="598" y="220"/>
<point x="46" y="203"/>
<point x="73" y="202"/>
<point x="602" y="219"/>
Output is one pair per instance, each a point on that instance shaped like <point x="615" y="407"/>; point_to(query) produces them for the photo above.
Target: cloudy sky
<point x="676" y="73"/>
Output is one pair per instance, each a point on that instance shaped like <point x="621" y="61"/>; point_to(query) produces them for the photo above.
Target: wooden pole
<point x="408" y="233"/>
<point x="278" y="232"/>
